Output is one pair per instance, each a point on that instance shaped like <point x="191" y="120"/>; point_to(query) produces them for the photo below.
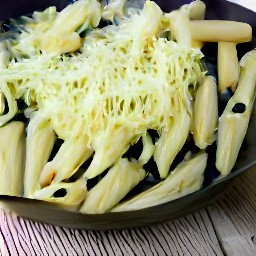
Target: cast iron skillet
<point x="50" y="213"/>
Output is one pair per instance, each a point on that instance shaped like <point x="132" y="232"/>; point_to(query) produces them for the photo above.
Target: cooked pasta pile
<point x="101" y="89"/>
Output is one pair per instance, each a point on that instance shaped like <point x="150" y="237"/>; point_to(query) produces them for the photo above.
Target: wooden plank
<point x="195" y="235"/>
<point x="234" y="216"/>
<point x="192" y="235"/>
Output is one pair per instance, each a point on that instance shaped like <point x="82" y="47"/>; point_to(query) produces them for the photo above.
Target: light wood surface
<point x="227" y="227"/>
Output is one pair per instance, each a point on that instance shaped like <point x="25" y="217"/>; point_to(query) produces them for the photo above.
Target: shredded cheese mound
<point x="123" y="80"/>
<point x="98" y="89"/>
<point x="108" y="80"/>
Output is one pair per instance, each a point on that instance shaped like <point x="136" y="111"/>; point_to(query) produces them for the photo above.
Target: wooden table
<point x="227" y="227"/>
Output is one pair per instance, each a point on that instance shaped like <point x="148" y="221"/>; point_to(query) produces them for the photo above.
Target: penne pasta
<point x="40" y="141"/>
<point x="172" y="139"/>
<point x="197" y="10"/>
<point x="69" y="195"/>
<point x="119" y="180"/>
<point x="205" y="113"/>
<point x="228" y="66"/>
<point x="105" y="154"/>
<point x="220" y="31"/>
<point x="71" y="155"/>
<point x="233" y="123"/>
<point x="12" y="158"/>
<point x="11" y="102"/>
<point x="186" y="178"/>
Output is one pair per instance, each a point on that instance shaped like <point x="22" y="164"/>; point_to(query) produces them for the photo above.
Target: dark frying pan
<point x="50" y="213"/>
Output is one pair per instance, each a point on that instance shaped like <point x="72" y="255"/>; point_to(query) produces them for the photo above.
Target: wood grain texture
<point x="192" y="235"/>
<point x="234" y="217"/>
<point x="227" y="227"/>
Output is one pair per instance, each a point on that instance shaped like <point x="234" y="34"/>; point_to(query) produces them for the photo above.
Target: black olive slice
<point x="239" y="108"/>
<point x="60" y="193"/>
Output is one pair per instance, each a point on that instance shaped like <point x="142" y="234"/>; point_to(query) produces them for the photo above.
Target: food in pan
<point x="82" y="87"/>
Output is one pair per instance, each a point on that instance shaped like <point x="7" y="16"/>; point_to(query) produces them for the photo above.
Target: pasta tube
<point x="145" y="27"/>
<point x="197" y="10"/>
<point x="62" y="36"/>
<point x="186" y="178"/>
<point x="233" y="123"/>
<point x="220" y="31"/>
<point x="66" y="194"/>
<point x="179" y="27"/>
<point x="148" y="149"/>
<point x="40" y="141"/>
<point x="71" y="155"/>
<point x="12" y="105"/>
<point x="114" y="8"/>
<point x="105" y="153"/>
<point x="179" y="23"/>
<point x="228" y="66"/>
<point x="171" y="141"/>
<point x="205" y="113"/>
<point x="2" y="103"/>
<point x="152" y="19"/>
<point x="119" y="180"/>
<point x="12" y="155"/>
